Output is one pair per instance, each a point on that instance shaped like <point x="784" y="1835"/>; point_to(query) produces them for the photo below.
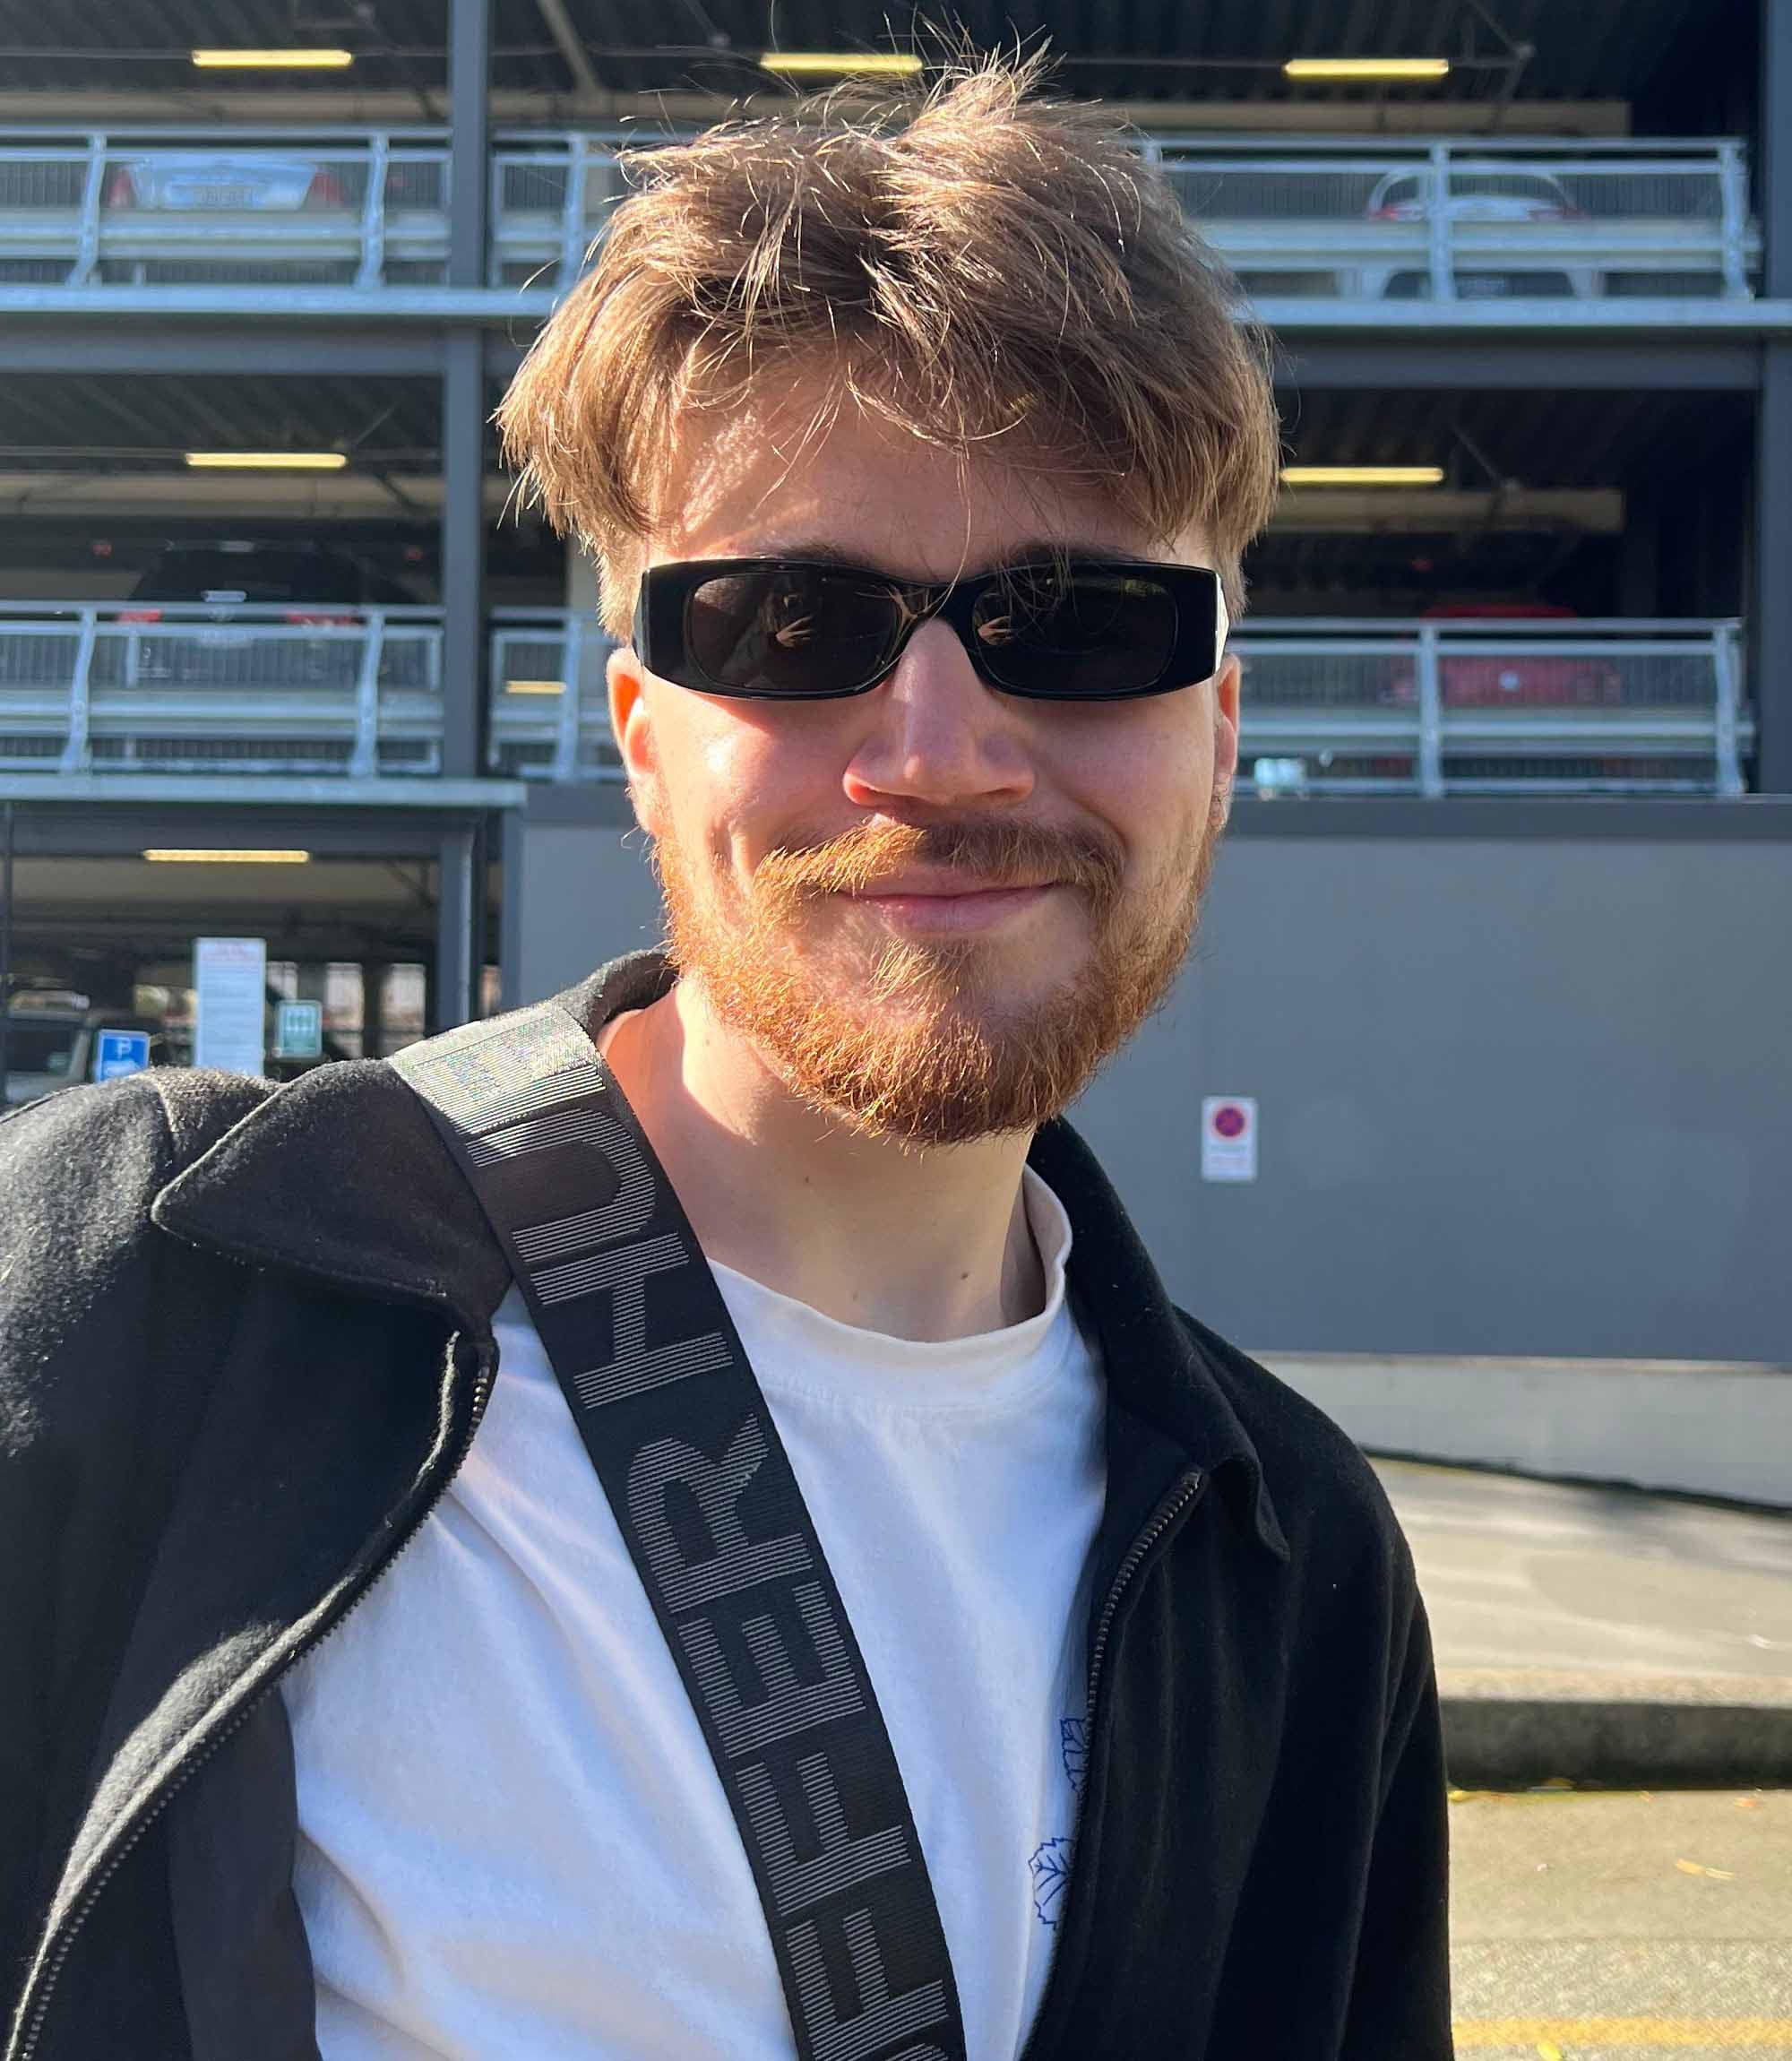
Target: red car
<point x="1568" y="679"/>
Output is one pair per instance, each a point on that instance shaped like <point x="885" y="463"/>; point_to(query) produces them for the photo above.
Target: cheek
<point x="751" y="779"/>
<point x="1144" y="769"/>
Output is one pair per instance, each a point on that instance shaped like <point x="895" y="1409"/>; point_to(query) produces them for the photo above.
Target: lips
<point x="941" y="887"/>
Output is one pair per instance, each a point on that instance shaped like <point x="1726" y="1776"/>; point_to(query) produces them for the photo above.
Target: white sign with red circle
<point x="1228" y="1138"/>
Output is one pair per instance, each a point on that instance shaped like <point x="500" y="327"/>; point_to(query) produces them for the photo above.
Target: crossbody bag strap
<point x="675" y="1423"/>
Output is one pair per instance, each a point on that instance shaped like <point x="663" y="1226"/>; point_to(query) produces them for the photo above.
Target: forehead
<point x="767" y="480"/>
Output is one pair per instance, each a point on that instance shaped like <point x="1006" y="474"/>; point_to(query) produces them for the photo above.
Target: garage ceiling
<point x="1131" y="50"/>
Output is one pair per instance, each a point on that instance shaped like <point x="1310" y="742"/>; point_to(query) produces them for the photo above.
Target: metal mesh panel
<point x="411" y="659"/>
<point x="35" y="657"/>
<point x="1325" y="770"/>
<point x="1270" y="193"/>
<point x="1637" y="192"/>
<point x="1615" y="774"/>
<point x="1323" y="679"/>
<point x="525" y="657"/>
<point x="532" y="186"/>
<point x="34" y="272"/>
<point x="1525" y="676"/>
<point x="598" y="758"/>
<point x="274" y="270"/>
<point x="34" y="180"/>
<point x="159" y="754"/>
<point x="1663" y="285"/>
<point x="26" y="750"/>
<point x="417" y="184"/>
<point x="523" y="759"/>
<point x="236" y="659"/>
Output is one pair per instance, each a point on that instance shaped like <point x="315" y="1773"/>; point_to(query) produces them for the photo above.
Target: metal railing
<point x="1302" y="219"/>
<point x="224" y="207"/>
<point x="1473" y="219"/>
<point x="1621" y="706"/>
<point x="549" y="710"/>
<point x="1330" y="706"/>
<point x="1438" y="221"/>
<point x="117" y="687"/>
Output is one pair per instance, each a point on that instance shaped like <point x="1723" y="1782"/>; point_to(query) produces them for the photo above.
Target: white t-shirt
<point x="513" y="1841"/>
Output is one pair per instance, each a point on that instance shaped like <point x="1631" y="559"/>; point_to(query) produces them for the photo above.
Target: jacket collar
<point x="340" y="1175"/>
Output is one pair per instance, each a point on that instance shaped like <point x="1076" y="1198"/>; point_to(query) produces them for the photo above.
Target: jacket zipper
<point x="1178" y="1500"/>
<point x="72" y="1924"/>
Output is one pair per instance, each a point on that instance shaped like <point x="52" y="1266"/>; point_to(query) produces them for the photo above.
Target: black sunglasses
<point x="797" y="629"/>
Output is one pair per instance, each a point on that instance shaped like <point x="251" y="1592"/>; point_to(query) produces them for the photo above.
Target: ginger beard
<point x="925" y="1040"/>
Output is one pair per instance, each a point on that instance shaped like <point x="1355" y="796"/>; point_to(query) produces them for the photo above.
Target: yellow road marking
<point x="1571" y="2032"/>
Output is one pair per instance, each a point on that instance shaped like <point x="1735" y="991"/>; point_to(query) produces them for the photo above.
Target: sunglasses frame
<point x="662" y="615"/>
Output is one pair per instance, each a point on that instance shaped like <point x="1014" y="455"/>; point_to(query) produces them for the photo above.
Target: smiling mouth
<point x="962" y="909"/>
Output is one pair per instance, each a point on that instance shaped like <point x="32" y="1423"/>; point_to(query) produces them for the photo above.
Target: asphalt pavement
<point x="1613" y="1927"/>
<point x="1603" y="1635"/>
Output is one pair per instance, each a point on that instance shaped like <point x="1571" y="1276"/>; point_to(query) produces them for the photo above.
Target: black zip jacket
<point x="245" y="1343"/>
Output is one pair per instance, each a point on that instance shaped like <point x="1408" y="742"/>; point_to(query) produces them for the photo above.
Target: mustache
<point x="1007" y="852"/>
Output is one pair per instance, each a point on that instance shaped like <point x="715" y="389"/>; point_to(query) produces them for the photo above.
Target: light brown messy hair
<point x="975" y="262"/>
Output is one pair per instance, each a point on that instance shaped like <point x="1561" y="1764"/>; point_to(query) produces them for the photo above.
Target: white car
<point x="1497" y="196"/>
<point x="237" y="181"/>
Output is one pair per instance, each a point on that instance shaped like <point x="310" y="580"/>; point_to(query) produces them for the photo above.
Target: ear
<point x="1226" y="683"/>
<point x="632" y="725"/>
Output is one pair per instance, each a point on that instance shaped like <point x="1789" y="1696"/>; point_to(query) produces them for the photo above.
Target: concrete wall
<point x="1517" y="1096"/>
<point x="1702" y="1427"/>
<point x="585" y="897"/>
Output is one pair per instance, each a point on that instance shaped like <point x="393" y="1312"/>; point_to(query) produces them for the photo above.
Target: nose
<point x="933" y="733"/>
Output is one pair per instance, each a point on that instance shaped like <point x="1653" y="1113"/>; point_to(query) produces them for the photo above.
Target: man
<point x="917" y="455"/>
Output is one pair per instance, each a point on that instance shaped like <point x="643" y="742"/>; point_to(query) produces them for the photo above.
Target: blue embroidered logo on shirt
<point x="1050" y="1868"/>
<point x="1073" y="1744"/>
<point x="1050" y="1864"/>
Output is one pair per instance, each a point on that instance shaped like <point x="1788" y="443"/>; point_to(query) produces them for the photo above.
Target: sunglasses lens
<point x="1041" y="632"/>
<point x="791" y="630"/>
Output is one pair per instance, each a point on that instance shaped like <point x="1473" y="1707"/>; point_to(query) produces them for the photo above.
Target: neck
<point x="914" y="1244"/>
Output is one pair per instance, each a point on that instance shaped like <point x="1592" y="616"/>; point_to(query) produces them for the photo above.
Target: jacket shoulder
<point x="108" y="1141"/>
<point x="79" y="1170"/>
<point x="1322" y="1485"/>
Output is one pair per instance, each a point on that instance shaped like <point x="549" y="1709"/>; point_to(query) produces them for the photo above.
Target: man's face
<point x="773" y="822"/>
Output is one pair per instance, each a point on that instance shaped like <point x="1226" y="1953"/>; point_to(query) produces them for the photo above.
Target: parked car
<point x="237" y="181"/>
<point x="313" y="586"/>
<point x="57" y="1046"/>
<point x="1499" y="680"/>
<point x="243" y="569"/>
<point x="1497" y="197"/>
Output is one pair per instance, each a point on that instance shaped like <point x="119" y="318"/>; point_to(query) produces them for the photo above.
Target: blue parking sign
<point x="121" y="1052"/>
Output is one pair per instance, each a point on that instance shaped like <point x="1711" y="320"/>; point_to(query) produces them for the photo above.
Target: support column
<point x="464" y="656"/>
<point x="463" y="403"/>
<point x="469" y="168"/>
<point x="451" y="999"/>
<point x="510" y="911"/>
<point x="1769" y="630"/>
<point x="374" y="1009"/>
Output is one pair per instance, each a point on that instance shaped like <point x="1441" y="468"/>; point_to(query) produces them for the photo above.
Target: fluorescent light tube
<point x="273" y="60"/>
<point x="1367" y="67"/>
<point x="1362" y="475"/>
<point x="268" y="460"/>
<point x="174" y="855"/>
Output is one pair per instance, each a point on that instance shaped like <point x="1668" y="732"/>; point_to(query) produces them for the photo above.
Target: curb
<point x="1516" y="1731"/>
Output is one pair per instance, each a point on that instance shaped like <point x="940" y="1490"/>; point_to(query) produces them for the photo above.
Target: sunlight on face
<point x="769" y="821"/>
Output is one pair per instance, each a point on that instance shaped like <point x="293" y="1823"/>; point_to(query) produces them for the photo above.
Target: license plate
<point x="215" y="196"/>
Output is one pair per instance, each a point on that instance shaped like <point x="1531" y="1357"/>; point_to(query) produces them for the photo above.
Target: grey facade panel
<point x="1513" y="1098"/>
